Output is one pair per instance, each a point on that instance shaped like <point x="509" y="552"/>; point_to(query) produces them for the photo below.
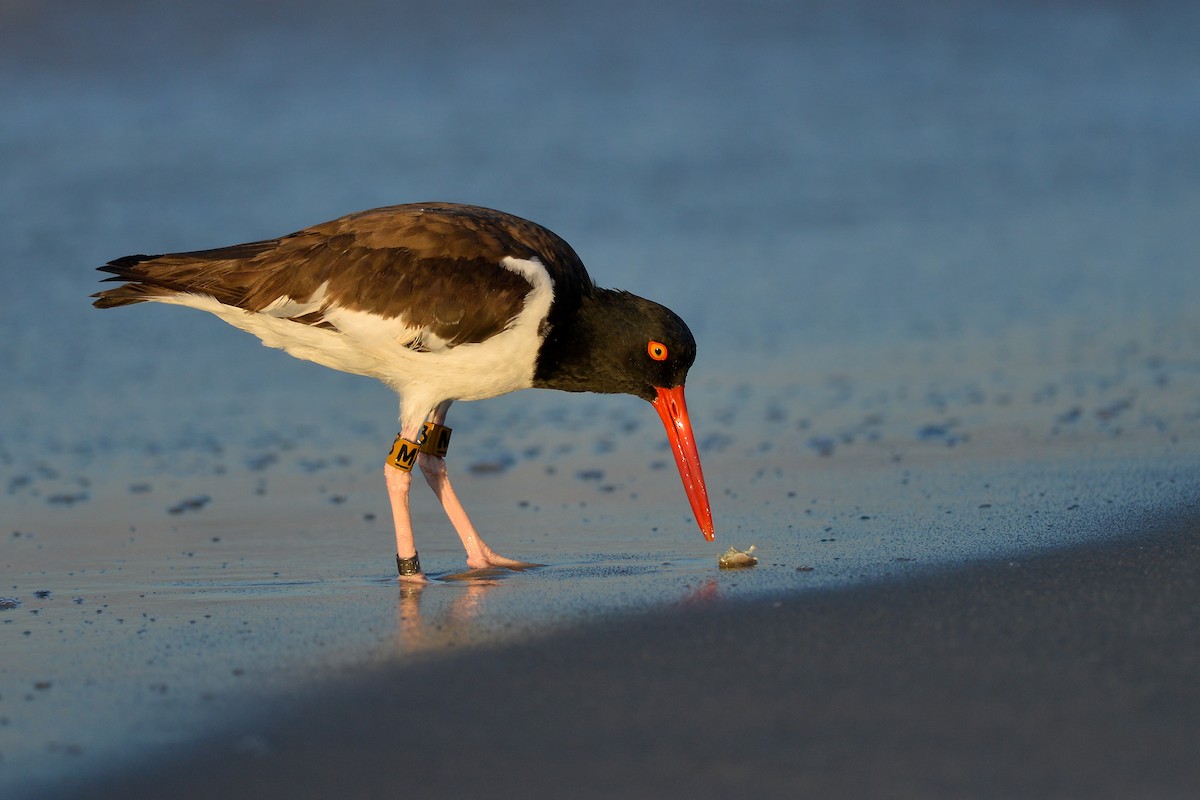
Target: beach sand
<point x="1068" y="674"/>
<point x="939" y="262"/>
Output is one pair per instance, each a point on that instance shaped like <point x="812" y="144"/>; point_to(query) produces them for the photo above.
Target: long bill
<point x="672" y="408"/>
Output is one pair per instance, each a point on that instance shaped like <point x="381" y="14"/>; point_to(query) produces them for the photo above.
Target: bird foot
<point x="488" y="576"/>
<point x="491" y="560"/>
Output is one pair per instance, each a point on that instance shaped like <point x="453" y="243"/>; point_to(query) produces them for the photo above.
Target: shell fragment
<point x="736" y="559"/>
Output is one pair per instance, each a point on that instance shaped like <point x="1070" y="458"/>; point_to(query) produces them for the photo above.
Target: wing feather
<point x="434" y="268"/>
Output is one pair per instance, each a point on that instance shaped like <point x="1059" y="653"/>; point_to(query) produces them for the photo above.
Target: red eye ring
<point x="657" y="350"/>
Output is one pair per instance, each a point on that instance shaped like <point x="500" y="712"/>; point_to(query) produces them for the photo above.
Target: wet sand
<point x="1069" y="674"/>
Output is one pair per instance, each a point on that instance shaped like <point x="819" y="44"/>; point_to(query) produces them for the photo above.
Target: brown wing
<point x="436" y="266"/>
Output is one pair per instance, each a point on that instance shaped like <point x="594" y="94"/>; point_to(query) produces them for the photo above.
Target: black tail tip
<point x="125" y="262"/>
<point x="114" y="298"/>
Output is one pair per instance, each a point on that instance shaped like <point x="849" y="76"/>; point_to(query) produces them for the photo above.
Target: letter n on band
<point x="435" y="439"/>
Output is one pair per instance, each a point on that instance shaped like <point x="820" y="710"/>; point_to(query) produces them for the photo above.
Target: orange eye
<point x="657" y="351"/>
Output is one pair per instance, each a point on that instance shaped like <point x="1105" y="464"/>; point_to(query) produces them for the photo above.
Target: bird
<point x="442" y="302"/>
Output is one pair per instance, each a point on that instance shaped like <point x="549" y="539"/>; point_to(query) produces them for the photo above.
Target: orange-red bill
<point x="671" y="407"/>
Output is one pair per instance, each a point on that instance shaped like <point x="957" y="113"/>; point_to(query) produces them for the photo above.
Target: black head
<point x="617" y="342"/>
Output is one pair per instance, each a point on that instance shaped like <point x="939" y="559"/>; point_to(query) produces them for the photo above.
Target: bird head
<point x="621" y="343"/>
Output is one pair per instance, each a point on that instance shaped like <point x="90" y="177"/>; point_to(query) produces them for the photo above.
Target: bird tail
<point x="140" y="285"/>
<point x="225" y="274"/>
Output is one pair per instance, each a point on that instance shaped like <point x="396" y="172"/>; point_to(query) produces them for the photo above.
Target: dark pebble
<point x="190" y="504"/>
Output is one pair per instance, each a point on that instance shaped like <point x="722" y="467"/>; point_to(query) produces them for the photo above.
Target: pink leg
<point x="479" y="555"/>
<point x="398" y="485"/>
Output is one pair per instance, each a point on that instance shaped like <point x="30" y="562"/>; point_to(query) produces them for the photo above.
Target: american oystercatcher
<point x="441" y="302"/>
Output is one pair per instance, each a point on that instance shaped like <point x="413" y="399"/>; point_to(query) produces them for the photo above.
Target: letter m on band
<point x="404" y="454"/>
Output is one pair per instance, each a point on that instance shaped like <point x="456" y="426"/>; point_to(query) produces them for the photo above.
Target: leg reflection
<point x="435" y="615"/>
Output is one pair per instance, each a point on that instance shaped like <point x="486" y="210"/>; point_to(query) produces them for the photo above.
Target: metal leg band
<point x="408" y="566"/>
<point x="435" y="439"/>
<point x="404" y="454"/>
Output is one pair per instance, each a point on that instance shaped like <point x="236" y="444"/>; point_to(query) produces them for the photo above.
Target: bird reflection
<point x="707" y="592"/>
<point x="443" y="624"/>
<point x="450" y="610"/>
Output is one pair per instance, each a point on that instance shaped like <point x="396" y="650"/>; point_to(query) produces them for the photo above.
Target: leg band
<point x="404" y="454"/>
<point x="435" y="439"/>
<point x="408" y="566"/>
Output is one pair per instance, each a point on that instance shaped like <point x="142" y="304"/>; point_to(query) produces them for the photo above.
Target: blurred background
<point x="784" y="174"/>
